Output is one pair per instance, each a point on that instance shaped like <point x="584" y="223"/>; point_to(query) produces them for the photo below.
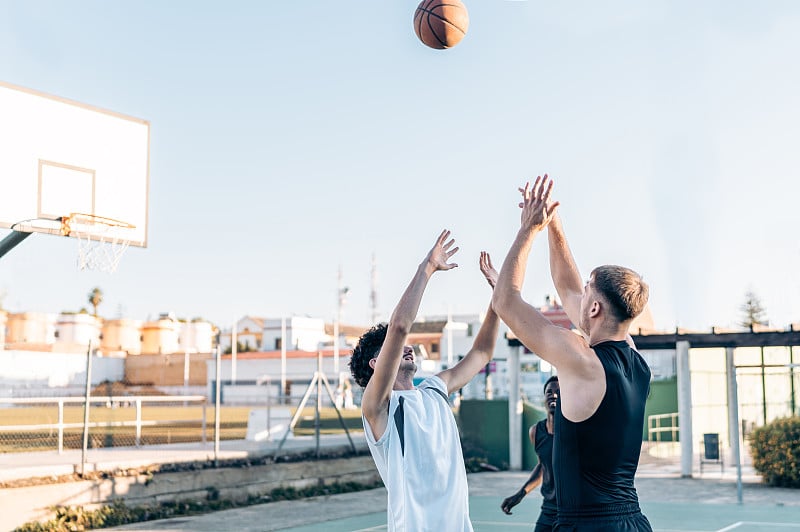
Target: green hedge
<point x="776" y="452"/>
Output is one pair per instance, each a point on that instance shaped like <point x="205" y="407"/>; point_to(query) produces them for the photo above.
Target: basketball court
<point x="665" y="517"/>
<point x="673" y="504"/>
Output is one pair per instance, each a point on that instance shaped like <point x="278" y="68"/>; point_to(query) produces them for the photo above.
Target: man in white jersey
<point x="411" y="431"/>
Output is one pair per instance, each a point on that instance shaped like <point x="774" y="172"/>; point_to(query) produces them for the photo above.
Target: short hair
<point x="553" y="378"/>
<point x="367" y="348"/>
<point x="623" y="289"/>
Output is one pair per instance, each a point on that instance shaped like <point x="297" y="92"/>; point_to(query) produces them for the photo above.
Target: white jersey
<point x="424" y="471"/>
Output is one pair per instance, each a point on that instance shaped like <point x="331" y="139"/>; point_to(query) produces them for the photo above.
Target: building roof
<point x="270" y="355"/>
<point x="258" y="321"/>
<point x="346" y="330"/>
<point x="428" y="327"/>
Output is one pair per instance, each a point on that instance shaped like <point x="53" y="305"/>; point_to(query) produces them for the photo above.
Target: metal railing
<point x="15" y="434"/>
<point x="655" y="428"/>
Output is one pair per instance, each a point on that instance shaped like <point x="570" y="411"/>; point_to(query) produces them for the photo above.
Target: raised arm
<point x="483" y="348"/>
<point x="375" y="401"/>
<point x="566" y="277"/>
<point x="554" y="344"/>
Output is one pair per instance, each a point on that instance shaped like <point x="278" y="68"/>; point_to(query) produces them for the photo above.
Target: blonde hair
<point x="623" y="289"/>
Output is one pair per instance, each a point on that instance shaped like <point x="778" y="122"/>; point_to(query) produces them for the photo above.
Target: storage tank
<point x="196" y="336"/>
<point x="3" y="320"/>
<point x="160" y="337"/>
<point x="74" y="331"/>
<point x="30" y="328"/>
<point x="122" y="336"/>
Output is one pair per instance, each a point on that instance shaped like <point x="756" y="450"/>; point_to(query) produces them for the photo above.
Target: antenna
<point x="373" y="293"/>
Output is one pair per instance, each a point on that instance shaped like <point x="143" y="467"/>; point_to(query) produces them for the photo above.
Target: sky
<point x="292" y="139"/>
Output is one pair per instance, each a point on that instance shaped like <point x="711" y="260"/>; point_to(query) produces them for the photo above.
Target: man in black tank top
<point x="541" y="436"/>
<point x="599" y="420"/>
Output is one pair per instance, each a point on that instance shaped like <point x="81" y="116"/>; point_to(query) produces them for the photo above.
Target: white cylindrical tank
<point x="30" y="328"/>
<point x="122" y="336"/>
<point x="73" y="330"/>
<point x="160" y="337"/>
<point x="196" y="337"/>
<point x="3" y="320"/>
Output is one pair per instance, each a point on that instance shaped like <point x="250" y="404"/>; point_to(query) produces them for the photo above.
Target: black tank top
<point x="544" y="450"/>
<point x="595" y="460"/>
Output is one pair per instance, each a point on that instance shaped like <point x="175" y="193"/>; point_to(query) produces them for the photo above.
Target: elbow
<point x="399" y="327"/>
<point x="500" y="302"/>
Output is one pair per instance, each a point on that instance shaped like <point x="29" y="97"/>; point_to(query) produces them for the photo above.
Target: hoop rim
<point x="94" y="219"/>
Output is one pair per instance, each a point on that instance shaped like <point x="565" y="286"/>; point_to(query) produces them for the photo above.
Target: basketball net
<point x="101" y="241"/>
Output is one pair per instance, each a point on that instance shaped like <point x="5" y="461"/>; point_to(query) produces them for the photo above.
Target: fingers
<point x="443" y="236"/>
<point x="452" y="251"/>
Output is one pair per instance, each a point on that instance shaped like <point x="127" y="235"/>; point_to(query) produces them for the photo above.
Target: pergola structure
<point x="680" y="341"/>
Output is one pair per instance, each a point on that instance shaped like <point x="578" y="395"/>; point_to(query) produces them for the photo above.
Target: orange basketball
<point x="441" y="24"/>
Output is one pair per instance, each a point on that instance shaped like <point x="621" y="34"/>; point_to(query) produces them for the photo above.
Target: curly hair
<point x="367" y="348"/>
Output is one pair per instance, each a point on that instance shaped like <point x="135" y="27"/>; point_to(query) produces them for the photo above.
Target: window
<point x="278" y="343"/>
<point x="434" y="347"/>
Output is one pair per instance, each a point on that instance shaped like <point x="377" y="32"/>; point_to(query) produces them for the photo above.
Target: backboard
<point x="59" y="157"/>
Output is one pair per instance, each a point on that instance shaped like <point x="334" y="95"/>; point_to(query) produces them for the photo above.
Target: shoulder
<point x="433" y="381"/>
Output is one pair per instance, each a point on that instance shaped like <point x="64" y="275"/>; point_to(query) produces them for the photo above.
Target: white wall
<point x="43" y="370"/>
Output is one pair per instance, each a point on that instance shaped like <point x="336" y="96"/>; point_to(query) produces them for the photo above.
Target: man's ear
<point x="594" y="310"/>
<point x="372" y="362"/>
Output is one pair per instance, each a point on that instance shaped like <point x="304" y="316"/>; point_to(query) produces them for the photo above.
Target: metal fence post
<point x="138" y="422"/>
<point x="60" y="426"/>
<point x="86" y="408"/>
<point x="204" y="423"/>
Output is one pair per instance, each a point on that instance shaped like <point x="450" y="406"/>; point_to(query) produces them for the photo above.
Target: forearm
<point x="534" y="480"/>
<point x="486" y="338"/>
<point x="512" y="274"/>
<point x="406" y="310"/>
<point x="566" y="277"/>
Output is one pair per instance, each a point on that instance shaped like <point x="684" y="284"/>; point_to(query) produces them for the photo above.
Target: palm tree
<point x="95" y="298"/>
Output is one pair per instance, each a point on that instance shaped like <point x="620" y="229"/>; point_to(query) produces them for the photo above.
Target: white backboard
<point x="59" y="157"/>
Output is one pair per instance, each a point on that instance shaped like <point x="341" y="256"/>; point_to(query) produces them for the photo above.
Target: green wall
<point x="663" y="399"/>
<point x="484" y="425"/>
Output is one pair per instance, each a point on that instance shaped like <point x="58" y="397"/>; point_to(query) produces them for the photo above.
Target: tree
<point x="753" y="312"/>
<point x="95" y="298"/>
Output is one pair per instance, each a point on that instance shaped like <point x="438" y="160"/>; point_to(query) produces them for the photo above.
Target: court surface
<point x="665" y="517"/>
<point x="671" y="503"/>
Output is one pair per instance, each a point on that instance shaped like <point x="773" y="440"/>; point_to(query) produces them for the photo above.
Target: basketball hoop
<point x="101" y="241"/>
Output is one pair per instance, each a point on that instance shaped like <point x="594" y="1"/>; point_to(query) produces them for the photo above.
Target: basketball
<point x="441" y="24"/>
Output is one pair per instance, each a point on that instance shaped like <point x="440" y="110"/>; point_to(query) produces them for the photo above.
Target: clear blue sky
<point x="289" y="138"/>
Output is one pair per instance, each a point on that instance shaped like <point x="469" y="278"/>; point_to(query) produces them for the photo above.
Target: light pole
<point x="341" y="293"/>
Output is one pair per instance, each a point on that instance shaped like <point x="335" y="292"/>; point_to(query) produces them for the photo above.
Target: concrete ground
<point x="658" y="482"/>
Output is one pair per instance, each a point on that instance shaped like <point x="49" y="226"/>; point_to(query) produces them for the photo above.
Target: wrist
<point x="428" y="269"/>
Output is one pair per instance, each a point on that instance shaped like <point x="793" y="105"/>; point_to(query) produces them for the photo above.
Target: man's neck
<point x="608" y="334"/>
<point x="403" y="382"/>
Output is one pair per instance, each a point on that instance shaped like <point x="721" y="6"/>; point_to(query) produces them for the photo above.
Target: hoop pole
<point x="11" y="241"/>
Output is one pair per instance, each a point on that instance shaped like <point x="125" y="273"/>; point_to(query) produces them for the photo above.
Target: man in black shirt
<point x="598" y="424"/>
<point x="541" y="436"/>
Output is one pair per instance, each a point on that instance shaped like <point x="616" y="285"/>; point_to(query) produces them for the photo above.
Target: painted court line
<point x="759" y="523"/>
<point x="505" y="524"/>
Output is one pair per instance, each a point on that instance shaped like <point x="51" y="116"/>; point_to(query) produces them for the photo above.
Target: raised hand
<point x="487" y="269"/>
<point x="537" y="207"/>
<point x="440" y="253"/>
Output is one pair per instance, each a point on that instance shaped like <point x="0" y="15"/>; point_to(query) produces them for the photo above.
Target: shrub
<point x="776" y="452"/>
